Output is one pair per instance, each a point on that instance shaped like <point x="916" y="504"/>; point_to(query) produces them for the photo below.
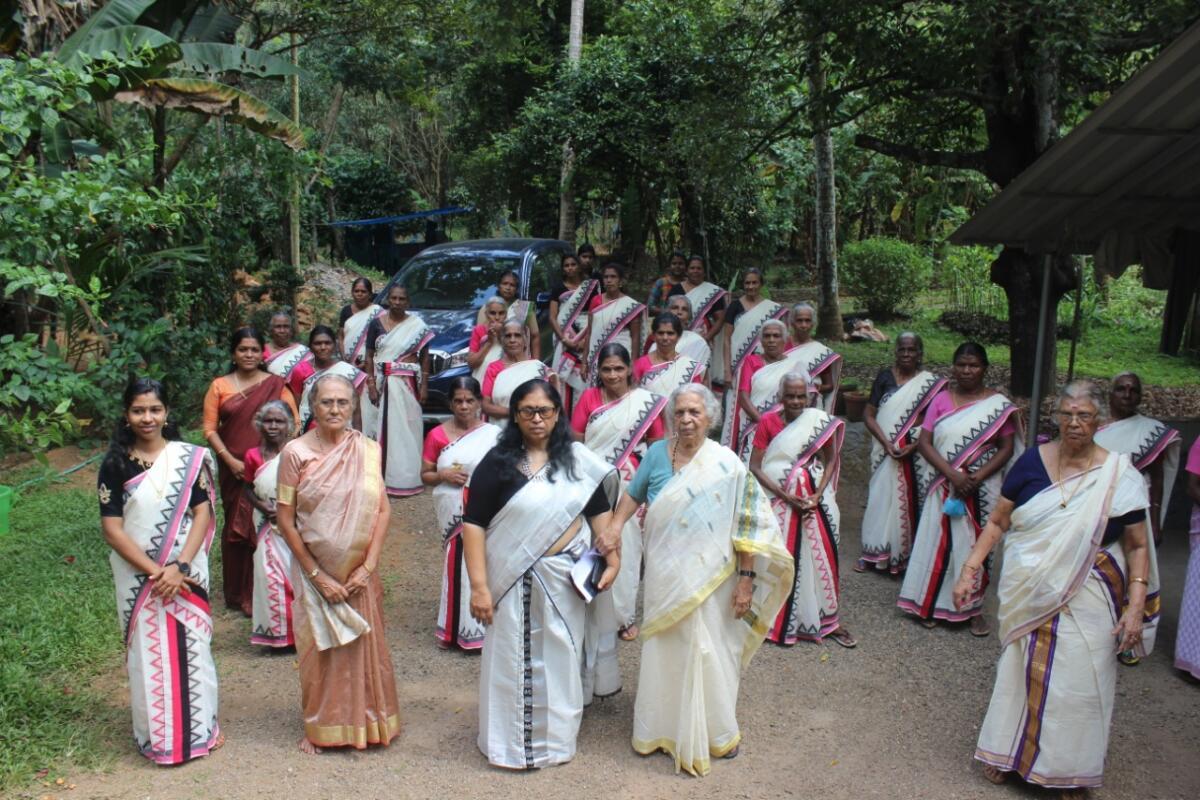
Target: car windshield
<point x="455" y="280"/>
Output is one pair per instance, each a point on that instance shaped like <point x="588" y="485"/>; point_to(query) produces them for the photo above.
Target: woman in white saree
<point x="706" y="315"/>
<point x="272" y="617"/>
<point x="616" y="421"/>
<point x="397" y="371"/>
<point x="818" y="360"/>
<point x="531" y="507"/>
<point x="1079" y="585"/>
<point x="452" y="451"/>
<point x="664" y="369"/>
<point x="797" y="457"/>
<point x="281" y="355"/>
<point x="613" y="318"/>
<point x="511" y="370"/>
<point x="744" y="320"/>
<point x="899" y="475"/>
<point x="758" y="390"/>
<point x="568" y="317"/>
<point x="356" y="316"/>
<point x="524" y="311"/>
<point x="156" y="512"/>
<point x="968" y="437"/>
<point x="485" y="346"/>
<point x="717" y="571"/>
<point x="689" y="343"/>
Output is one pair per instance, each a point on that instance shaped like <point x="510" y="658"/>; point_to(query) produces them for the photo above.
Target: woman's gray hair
<point x="775" y="323"/>
<point x="711" y="406"/>
<point x="792" y="377"/>
<point x="676" y="298"/>
<point x="1084" y="390"/>
<point x="514" y="323"/>
<point x="804" y="305"/>
<point x="274" y="405"/>
<point x="315" y="393"/>
<point x="915" y="337"/>
<point x="494" y="300"/>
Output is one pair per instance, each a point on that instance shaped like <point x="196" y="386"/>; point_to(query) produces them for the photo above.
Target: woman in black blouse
<point x="531" y="507"/>
<point x="156" y="496"/>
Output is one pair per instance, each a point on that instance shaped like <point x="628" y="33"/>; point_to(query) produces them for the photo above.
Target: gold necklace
<point x="1061" y="480"/>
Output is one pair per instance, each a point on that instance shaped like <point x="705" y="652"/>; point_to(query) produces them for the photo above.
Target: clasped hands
<point x="169" y="581"/>
<point x="336" y="592"/>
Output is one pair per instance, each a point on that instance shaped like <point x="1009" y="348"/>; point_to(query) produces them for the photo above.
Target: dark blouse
<point x="493" y="485"/>
<point x="346" y="313"/>
<point x="885" y="384"/>
<point x="734" y="311"/>
<point x="116" y="472"/>
<point x="1027" y="477"/>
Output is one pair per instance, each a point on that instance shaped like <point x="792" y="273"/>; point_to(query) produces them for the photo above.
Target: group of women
<point x="604" y="461"/>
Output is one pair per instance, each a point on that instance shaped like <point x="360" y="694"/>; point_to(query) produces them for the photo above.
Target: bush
<point x="884" y="274"/>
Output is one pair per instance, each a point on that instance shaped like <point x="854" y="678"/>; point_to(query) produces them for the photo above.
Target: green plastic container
<point x="6" y="500"/>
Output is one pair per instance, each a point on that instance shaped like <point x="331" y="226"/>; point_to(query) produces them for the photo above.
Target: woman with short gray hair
<point x="818" y="360"/>
<point x="706" y="519"/>
<point x="1077" y="560"/>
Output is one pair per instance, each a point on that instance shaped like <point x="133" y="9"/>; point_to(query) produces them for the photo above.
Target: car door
<point x="545" y="267"/>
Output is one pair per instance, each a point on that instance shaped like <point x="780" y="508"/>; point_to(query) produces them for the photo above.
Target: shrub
<point x="884" y="274"/>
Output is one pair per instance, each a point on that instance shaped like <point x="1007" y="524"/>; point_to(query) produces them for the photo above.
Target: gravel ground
<point x="895" y="718"/>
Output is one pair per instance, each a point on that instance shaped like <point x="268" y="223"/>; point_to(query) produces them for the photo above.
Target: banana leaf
<point x="212" y="59"/>
<point x="114" y="14"/>
<point x="216" y="99"/>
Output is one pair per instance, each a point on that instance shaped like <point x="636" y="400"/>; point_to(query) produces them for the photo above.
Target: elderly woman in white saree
<point x="452" y="451"/>
<point x="1079" y="584"/>
<point x="664" y="369"/>
<point x="504" y="375"/>
<point x="397" y="370"/>
<point x="899" y="476"/>
<point x="797" y="457"/>
<point x="758" y="387"/>
<point x="744" y="319"/>
<point x="818" y="360"/>
<point x="968" y="437"/>
<point x="532" y="505"/>
<point x="156" y="511"/>
<point x="717" y="571"/>
<point x="271" y="621"/>
<point x="690" y="343"/>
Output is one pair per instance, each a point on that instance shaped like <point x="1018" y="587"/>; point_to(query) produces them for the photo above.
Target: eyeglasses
<point x="545" y="412"/>
<point x="1066" y="417"/>
<point x="334" y="402"/>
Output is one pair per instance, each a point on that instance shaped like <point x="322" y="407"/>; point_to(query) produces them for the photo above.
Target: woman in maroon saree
<point x="229" y="409"/>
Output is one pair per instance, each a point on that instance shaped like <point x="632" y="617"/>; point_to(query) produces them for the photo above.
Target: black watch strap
<point x="184" y="567"/>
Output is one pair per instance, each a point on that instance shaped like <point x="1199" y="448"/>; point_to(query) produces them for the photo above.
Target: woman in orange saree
<point x="333" y="513"/>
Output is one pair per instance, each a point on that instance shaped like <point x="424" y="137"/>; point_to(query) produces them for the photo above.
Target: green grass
<point x="58" y="635"/>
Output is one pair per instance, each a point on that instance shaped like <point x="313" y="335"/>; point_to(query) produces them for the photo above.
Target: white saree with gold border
<point x="694" y="648"/>
<point x="401" y="423"/>
<point x="168" y="656"/>
<point x="530" y="689"/>
<point x="896" y="490"/>
<point x="1061" y="593"/>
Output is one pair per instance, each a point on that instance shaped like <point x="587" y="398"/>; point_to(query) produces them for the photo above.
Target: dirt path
<point x="895" y="718"/>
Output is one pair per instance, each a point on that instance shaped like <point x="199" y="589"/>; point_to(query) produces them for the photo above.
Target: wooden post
<point x="566" y="194"/>
<point x="294" y="210"/>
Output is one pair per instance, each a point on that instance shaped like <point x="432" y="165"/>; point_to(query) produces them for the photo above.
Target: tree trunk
<point x="829" y="313"/>
<point x="1020" y="274"/>
<point x="566" y="193"/>
<point x="294" y="216"/>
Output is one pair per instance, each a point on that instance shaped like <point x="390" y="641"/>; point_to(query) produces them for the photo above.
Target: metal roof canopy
<point x="1133" y="166"/>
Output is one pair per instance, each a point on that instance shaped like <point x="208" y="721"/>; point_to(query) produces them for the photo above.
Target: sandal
<point x="732" y="753"/>
<point x="980" y="627"/>
<point x="1128" y="658"/>
<point x="627" y="633"/>
<point x="843" y="637"/>
<point x="930" y="623"/>
<point x="218" y="744"/>
<point x="860" y="566"/>
<point x="994" y="774"/>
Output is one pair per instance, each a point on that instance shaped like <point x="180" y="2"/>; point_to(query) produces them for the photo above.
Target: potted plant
<point x="853" y="402"/>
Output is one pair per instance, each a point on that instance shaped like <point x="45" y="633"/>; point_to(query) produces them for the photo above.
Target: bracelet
<point x="365" y="568"/>
<point x="315" y="571"/>
<point x="222" y="452"/>
<point x="747" y="573"/>
<point x="1142" y="581"/>
<point x="972" y="567"/>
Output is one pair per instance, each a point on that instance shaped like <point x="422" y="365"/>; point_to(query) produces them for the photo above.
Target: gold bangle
<point x="314" y="573"/>
<point x="366" y="569"/>
<point x="1142" y="581"/>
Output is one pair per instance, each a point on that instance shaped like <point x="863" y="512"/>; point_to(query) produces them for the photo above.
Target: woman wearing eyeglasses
<point x="508" y="372"/>
<point x="1079" y="585"/>
<point x="533" y="503"/>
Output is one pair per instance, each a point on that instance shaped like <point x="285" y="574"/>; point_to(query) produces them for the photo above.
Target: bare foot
<point x="994" y="774"/>
<point x="218" y="744"/>
<point x="308" y="747"/>
<point x="980" y="626"/>
<point x="628" y="633"/>
<point x="929" y="623"/>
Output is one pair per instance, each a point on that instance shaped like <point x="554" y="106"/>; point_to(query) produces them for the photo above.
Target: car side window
<point x="545" y="269"/>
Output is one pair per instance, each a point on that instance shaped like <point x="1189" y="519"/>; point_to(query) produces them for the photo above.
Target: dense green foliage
<point x="886" y="275"/>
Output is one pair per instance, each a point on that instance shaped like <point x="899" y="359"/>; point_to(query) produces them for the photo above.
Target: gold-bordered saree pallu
<point x="1061" y="593"/>
<point x="572" y="317"/>
<point x="347" y="684"/>
<point x="1146" y="440"/>
<point x="282" y="362"/>
<point x="172" y="677"/>
<point x="743" y="342"/>
<point x="967" y="439"/>
<point x="510" y="378"/>
<point x="610" y="325"/>
<point x="897" y="486"/>
<point x="667" y="377"/>
<point x="401" y="423"/>
<point x="455" y="625"/>
<point x="530" y="689"/>
<point x="819" y="361"/>
<point x="616" y="432"/>
<point x="810" y="611"/>
<point x="694" y="648"/>
<point x="272" y="618"/>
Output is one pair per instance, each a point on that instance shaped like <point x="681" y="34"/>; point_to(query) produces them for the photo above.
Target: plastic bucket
<point x="6" y="500"/>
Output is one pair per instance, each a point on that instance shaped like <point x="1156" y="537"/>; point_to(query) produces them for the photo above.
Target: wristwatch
<point x="185" y="569"/>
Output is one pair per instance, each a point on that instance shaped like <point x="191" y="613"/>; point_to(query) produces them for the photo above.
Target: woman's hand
<point x="169" y="582"/>
<point x="236" y="466"/>
<point x="481" y="606"/>
<point x="373" y="392"/>
<point x="454" y="477"/>
<point x="805" y="504"/>
<point x="743" y="593"/>
<point x="610" y="575"/>
<point x="608" y="540"/>
<point x="966" y="587"/>
<point x="330" y="589"/>
<point x="358" y="580"/>
<point x="1129" y="628"/>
